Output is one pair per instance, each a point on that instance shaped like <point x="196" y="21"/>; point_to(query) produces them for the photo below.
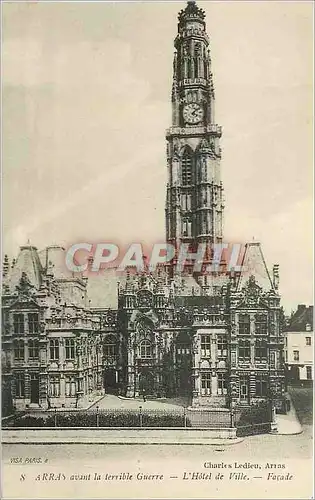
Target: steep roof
<point x="53" y="259"/>
<point x="303" y="316"/>
<point x="254" y="264"/>
<point x="28" y="262"/>
<point x="102" y="288"/>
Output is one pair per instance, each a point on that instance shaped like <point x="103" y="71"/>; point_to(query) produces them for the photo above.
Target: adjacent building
<point x="299" y="345"/>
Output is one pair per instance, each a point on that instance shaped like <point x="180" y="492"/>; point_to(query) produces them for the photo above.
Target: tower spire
<point x="194" y="201"/>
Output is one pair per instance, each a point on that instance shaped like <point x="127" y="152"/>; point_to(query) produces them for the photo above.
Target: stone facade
<point x="214" y="338"/>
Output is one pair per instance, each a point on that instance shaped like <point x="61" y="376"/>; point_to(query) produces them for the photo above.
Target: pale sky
<point x="86" y="101"/>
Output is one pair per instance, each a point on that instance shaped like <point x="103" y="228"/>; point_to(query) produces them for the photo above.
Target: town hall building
<point x="214" y="337"/>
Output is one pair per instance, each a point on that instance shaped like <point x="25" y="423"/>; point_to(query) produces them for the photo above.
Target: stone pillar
<point x="43" y="389"/>
<point x="252" y="386"/>
<point x="62" y="355"/>
<point x="274" y="426"/>
<point x="214" y="385"/>
<point x="136" y="380"/>
<point x="62" y="388"/>
<point x="131" y="379"/>
<point x="27" y="386"/>
<point x="213" y="349"/>
<point x="197" y="388"/>
<point x="80" y="391"/>
<point x="234" y="389"/>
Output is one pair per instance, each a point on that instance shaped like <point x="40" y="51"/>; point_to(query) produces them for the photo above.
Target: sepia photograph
<point x="157" y="249"/>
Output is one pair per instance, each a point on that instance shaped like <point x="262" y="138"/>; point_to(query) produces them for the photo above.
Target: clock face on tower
<point x="193" y="113"/>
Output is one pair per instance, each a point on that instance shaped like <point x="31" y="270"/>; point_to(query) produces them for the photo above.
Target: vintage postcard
<point x="157" y="299"/>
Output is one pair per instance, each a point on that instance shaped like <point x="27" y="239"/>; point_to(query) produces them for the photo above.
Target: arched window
<point x="186" y="170"/>
<point x="145" y="349"/>
<point x="110" y="346"/>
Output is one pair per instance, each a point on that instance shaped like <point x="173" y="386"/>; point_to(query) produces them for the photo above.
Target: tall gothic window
<point x="145" y="349"/>
<point x="186" y="168"/>
<point x="33" y="349"/>
<point x="186" y="228"/>
<point x="18" y="348"/>
<point x="189" y="67"/>
<point x="33" y="322"/>
<point x="54" y="349"/>
<point x="109" y="347"/>
<point x="196" y="57"/>
<point x="70" y="348"/>
<point x="186" y="202"/>
<point x="244" y="324"/>
<point x="18" y="320"/>
<point x="205" y="69"/>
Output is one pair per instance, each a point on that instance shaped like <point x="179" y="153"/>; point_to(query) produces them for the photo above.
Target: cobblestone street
<point x="110" y="401"/>
<point x="263" y="447"/>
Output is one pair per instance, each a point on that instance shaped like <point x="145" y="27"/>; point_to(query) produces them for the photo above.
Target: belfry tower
<point x="194" y="201"/>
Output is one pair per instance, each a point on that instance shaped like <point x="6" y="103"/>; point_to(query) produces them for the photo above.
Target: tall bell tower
<point x="194" y="200"/>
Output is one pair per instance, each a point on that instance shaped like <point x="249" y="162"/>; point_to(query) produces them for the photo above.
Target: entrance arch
<point x="146" y="382"/>
<point x="110" y="381"/>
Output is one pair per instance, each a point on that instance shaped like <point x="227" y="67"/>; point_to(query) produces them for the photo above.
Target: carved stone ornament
<point x="252" y="291"/>
<point x="145" y="299"/>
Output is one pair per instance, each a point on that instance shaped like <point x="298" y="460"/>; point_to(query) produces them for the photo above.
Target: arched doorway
<point x="146" y="382"/>
<point x="110" y="381"/>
